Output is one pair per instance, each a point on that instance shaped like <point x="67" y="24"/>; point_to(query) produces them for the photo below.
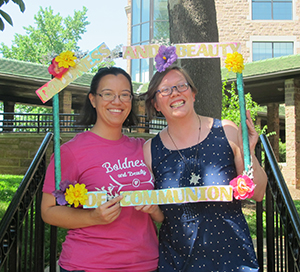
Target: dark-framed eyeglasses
<point x="110" y="96"/>
<point x="182" y="87"/>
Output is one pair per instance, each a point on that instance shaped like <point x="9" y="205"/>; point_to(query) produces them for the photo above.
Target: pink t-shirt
<point x="130" y="242"/>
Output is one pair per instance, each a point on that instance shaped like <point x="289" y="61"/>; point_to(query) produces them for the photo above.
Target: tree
<point x="193" y="21"/>
<point x="5" y="16"/>
<point x="231" y="105"/>
<point x="52" y="35"/>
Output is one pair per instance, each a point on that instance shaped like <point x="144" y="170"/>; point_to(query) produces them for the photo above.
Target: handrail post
<point x="39" y="254"/>
<point x="38" y="130"/>
<point x="259" y="219"/>
<point x="270" y="231"/>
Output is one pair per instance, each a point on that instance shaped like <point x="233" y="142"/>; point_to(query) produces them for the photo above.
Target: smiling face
<point x="177" y="104"/>
<point x="111" y="113"/>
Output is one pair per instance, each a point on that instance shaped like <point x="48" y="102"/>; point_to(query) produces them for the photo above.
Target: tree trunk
<point x="194" y="21"/>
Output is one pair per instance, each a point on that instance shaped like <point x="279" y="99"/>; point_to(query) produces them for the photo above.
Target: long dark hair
<point x="88" y="114"/>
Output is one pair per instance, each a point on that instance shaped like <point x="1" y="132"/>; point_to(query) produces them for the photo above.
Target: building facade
<point x="265" y="28"/>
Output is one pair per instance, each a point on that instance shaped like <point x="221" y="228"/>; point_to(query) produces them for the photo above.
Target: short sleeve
<point x="69" y="169"/>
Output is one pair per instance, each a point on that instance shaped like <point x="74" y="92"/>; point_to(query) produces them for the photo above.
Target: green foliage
<point x="251" y="221"/>
<point x="52" y="35"/>
<point x="8" y="186"/>
<point x="109" y="61"/>
<point x="297" y="205"/>
<point x="102" y="65"/>
<point x="32" y="120"/>
<point x="5" y="16"/>
<point x="250" y="216"/>
<point x="21" y="108"/>
<point x="231" y="107"/>
<point x="282" y="151"/>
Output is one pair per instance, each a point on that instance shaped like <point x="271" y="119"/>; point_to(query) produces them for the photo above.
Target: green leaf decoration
<point x="6" y="17"/>
<point x="20" y="3"/>
<point x="1" y="25"/>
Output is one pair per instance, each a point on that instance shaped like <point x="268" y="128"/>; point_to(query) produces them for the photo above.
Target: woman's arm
<point x="234" y="135"/>
<point x="72" y="218"/>
<point x="154" y="210"/>
<point x="147" y="154"/>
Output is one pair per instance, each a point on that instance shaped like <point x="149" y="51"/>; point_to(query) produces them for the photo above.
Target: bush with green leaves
<point x="231" y="111"/>
<point x="231" y="106"/>
<point x="282" y="151"/>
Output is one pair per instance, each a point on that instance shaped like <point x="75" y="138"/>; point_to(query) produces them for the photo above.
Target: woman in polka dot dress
<point x="199" y="151"/>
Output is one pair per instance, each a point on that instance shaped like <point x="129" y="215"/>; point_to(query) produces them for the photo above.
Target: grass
<point x="249" y="210"/>
<point x="297" y="205"/>
<point x="8" y="186"/>
<point x="250" y="215"/>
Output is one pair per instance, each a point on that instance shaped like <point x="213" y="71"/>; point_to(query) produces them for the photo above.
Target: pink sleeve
<point x="69" y="169"/>
<point x="141" y="141"/>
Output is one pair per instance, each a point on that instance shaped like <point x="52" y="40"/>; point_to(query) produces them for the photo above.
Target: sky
<point x="108" y="21"/>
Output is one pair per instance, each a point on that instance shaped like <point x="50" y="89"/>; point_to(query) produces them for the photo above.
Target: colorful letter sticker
<point x="55" y="85"/>
<point x="164" y="196"/>
<point x="184" y="50"/>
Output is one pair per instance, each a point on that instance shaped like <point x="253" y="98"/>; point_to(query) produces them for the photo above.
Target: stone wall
<point x="18" y="150"/>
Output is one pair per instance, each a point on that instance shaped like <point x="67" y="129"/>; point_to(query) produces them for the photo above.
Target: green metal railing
<point x="11" y="122"/>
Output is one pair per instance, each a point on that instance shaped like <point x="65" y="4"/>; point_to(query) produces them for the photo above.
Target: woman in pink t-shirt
<point x="110" y="237"/>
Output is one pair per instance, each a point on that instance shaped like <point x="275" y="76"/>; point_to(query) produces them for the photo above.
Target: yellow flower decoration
<point x="66" y="59"/>
<point x="234" y="62"/>
<point x="76" y="194"/>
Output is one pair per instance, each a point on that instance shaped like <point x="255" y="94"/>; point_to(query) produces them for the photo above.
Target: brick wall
<point x="291" y="170"/>
<point x="235" y="25"/>
<point x="18" y="150"/>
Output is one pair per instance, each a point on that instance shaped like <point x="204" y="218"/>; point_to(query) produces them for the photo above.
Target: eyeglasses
<point x="110" y="96"/>
<point x="169" y="90"/>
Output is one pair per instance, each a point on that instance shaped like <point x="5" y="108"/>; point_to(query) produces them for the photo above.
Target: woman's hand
<point x="71" y="218"/>
<point x="154" y="211"/>
<point x="107" y="212"/>
<point x="147" y="208"/>
<point x="259" y="175"/>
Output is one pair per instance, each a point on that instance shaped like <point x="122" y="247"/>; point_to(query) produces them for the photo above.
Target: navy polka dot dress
<point x="203" y="236"/>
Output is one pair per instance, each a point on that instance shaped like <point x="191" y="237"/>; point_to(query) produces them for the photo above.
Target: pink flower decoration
<point x="55" y="70"/>
<point x="165" y="57"/>
<point x="243" y="187"/>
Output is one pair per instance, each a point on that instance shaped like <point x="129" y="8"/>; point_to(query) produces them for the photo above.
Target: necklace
<point x="194" y="178"/>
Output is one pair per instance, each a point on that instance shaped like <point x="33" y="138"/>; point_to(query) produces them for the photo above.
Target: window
<point x="267" y="50"/>
<point x="272" y="9"/>
<point x="150" y="21"/>
<point x="161" y="20"/>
